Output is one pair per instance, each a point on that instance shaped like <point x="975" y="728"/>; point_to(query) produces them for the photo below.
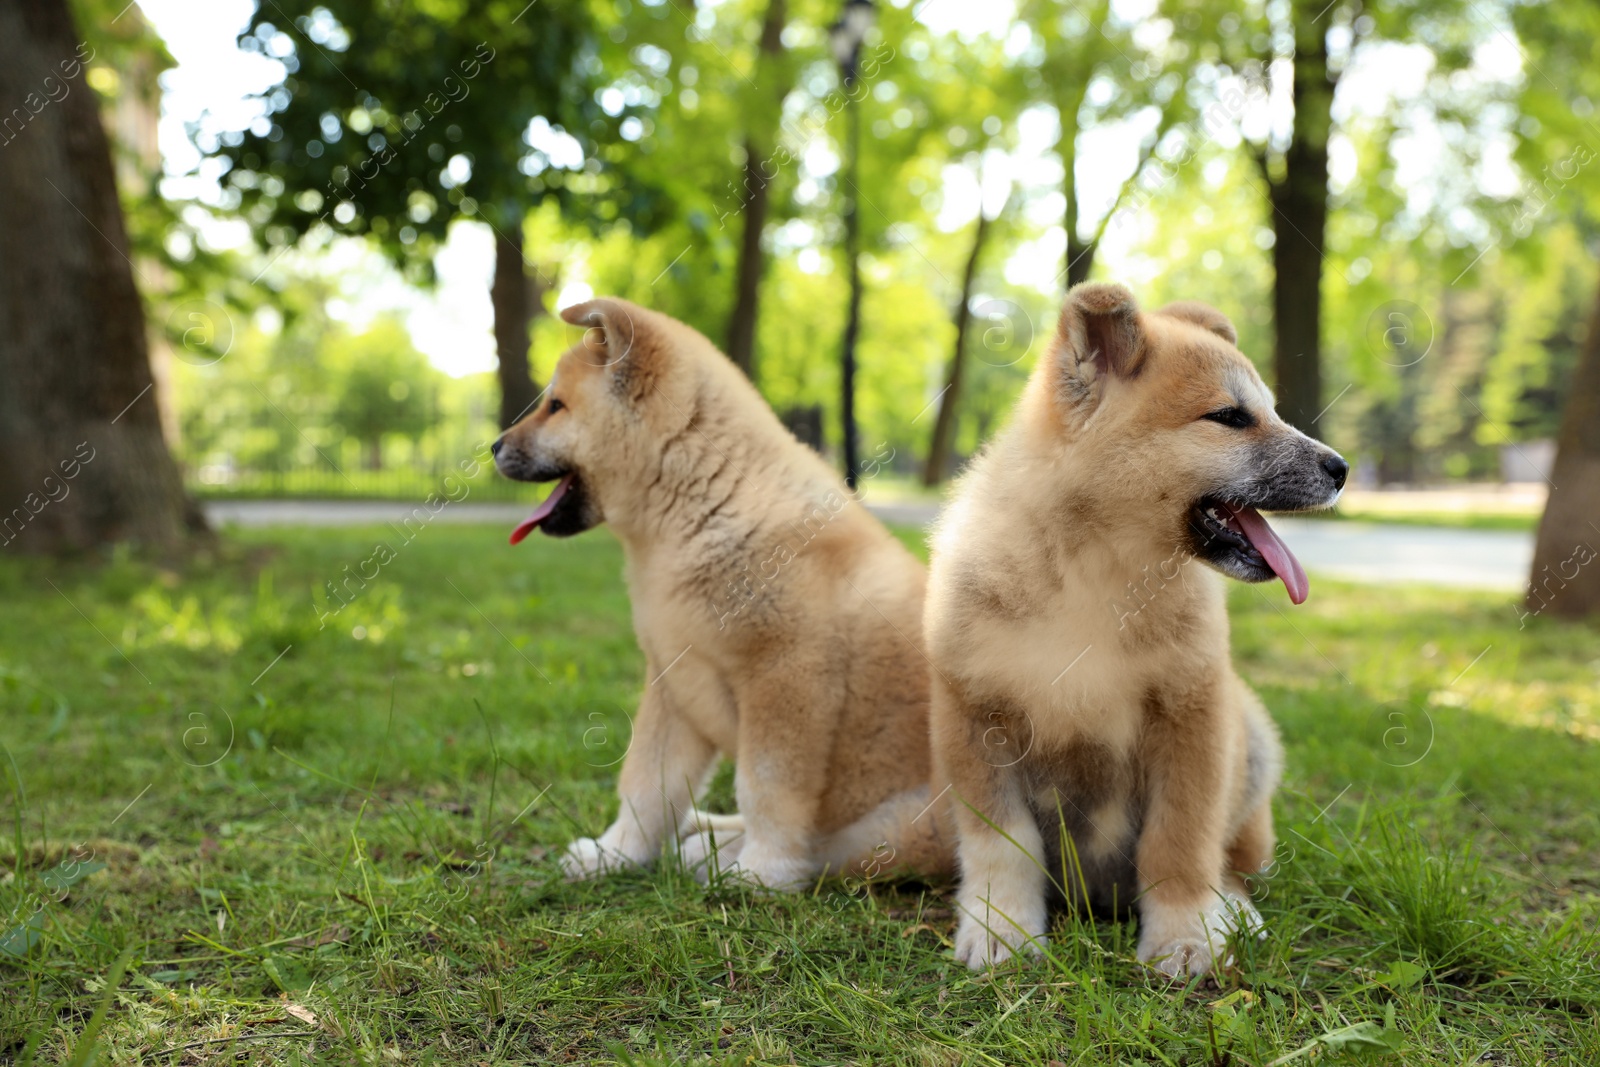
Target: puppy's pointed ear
<point x="617" y="338"/>
<point x="611" y="326"/>
<point x="1099" y="337"/>
<point x="1204" y="316"/>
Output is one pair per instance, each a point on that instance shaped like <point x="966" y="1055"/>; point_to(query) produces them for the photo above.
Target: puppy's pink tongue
<point x="542" y="512"/>
<point x="1274" y="551"/>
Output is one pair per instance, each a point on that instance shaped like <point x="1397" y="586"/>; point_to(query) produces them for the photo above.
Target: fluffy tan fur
<point x="1099" y="746"/>
<point x="780" y="621"/>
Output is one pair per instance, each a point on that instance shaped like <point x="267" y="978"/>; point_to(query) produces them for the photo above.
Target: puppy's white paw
<point x="1184" y="944"/>
<point x="772" y="869"/>
<point x="590" y="858"/>
<point x="709" y="851"/>
<point x="697" y="821"/>
<point x="1242" y="915"/>
<point x="993" y="930"/>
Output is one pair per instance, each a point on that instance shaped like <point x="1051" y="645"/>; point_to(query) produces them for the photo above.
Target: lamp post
<point x="845" y="37"/>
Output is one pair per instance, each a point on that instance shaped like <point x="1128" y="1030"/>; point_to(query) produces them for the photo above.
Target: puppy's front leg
<point x="665" y="762"/>
<point x="1001" y="902"/>
<point x="787" y="728"/>
<point x="1184" y="915"/>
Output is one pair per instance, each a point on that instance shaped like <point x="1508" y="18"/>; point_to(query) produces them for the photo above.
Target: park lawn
<point x="346" y="854"/>
<point x="1450" y="520"/>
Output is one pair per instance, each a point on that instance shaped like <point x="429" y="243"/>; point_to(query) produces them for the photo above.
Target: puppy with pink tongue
<point x="546" y="507"/>
<point x="1098" y="747"/>
<point x="776" y="617"/>
<point x="1264" y="539"/>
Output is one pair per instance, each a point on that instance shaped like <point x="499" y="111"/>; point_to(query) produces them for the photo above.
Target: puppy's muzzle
<point x="513" y="461"/>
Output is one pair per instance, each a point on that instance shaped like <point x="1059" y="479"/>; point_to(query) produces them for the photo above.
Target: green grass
<point x="1459" y="520"/>
<point x="346" y="854"/>
<point x="408" y="483"/>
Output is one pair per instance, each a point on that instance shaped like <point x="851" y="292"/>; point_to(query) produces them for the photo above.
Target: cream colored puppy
<point x="1085" y="712"/>
<point x="780" y="621"/>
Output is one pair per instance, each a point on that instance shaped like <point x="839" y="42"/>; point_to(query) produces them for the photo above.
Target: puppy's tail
<point x="905" y="835"/>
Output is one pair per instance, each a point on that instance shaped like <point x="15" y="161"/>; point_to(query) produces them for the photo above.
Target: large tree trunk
<point x="513" y="301"/>
<point x="82" y="459"/>
<point x="937" y="466"/>
<point x="756" y="194"/>
<point x="1566" y="572"/>
<point x="1299" y="223"/>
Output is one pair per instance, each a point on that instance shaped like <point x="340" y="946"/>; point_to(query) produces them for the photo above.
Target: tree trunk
<point x="1566" y="572"/>
<point x="852" y="322"/>
<point x="747" y="287"/>
<point x="1080" y="253"/>
<point x="937" y="466"/>
<point x="82" y="459"/>
<point x="756" y="194"/>
<point x="1079" y="258"/>
<point x="512" y="298"/>
<point x="1299" y="223"/>
<point x="1069" y="97"/>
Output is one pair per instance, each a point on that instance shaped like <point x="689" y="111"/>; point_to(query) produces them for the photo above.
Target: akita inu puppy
<point x="1086" y="714"/>
<point x="780" y="621"/>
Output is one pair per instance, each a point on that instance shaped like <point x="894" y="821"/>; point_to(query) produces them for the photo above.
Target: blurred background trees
<point x="388" y="113"/>
<point x="348" y="269"/>
<point x="384" y="388"/>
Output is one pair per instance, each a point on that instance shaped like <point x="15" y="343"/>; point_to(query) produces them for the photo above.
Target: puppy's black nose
<point x="1337" y="468"/>
<point x="494" y="449"/>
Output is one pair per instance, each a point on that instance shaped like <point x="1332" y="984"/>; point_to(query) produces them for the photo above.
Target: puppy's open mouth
<point x="546" y="508"/>
<point x="1240" y="543"/>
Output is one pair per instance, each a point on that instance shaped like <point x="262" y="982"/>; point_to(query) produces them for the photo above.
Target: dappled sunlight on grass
<point x="1434" y="648"/>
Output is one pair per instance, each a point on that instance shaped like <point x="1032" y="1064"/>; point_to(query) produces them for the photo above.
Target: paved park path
<point x="1358" y="551"/>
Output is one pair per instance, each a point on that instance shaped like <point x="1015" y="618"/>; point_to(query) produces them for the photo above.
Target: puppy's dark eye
<point x="1236" y="418"/>
<point x="556" y="405"/>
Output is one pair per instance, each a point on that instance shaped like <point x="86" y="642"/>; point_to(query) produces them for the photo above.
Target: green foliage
<point x="1208" y="225"/>
<point x="1490" y="291"/>
<point x="1544" y="313"/>
<point x="393" y="120"/>
<point x="299" y="390"/>
<point x="383" y="385"/>
<point x="1558" y="143"/>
